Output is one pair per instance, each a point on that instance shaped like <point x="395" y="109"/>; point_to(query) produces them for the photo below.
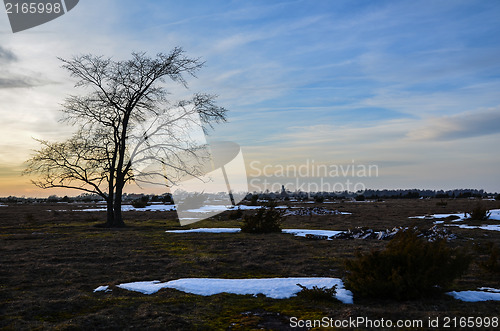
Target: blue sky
<point x="412" y="87"/>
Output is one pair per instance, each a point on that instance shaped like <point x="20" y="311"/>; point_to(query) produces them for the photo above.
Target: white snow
<point x="303" y="232"/>
<point x="484" y="294"/>
<point x="103" y="288"/>
<point x="276" y="288"/>
<point x="204" y="209"/>
<point x="1" y="205"/>
<point x="493" y="227"/>
<point x="296" y="232"/>
<point x="495" y="215"/>
<point x="207" y="230"/>
<point x="131" y="208"/>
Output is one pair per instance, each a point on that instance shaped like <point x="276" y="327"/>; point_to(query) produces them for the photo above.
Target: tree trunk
<point x="109" y="210"/>
<point x="118" y="220"/>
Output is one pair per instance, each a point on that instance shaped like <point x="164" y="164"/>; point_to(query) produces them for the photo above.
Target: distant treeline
<point x="376" y="194"/>
<point x="368" y="194"/>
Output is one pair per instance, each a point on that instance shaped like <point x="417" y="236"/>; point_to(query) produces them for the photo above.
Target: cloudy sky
<point x="411" y="87"/>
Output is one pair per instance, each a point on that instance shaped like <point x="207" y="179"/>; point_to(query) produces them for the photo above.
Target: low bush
<point x="319" y="199"/>
<point x="441" y="203"/>
<point x="140" y="203"/>
<point x="360" y="197"/>
<point x="409" y="268"/>
<point x="192" y="201"/>
<point x="493" y="263"/>
<point x="478" y="213"/>
<point x="318" y="293"/>
<point x="266" y="220"/>
<point x="236" y="214"/>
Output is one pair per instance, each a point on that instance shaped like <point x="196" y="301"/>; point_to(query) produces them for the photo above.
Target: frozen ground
<point x="296" y="232"/>
<point x="483" y="294"/>
<point x="276" y="288"/>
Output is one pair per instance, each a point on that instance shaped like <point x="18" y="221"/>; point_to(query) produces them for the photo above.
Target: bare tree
<point x="125" y="118"/>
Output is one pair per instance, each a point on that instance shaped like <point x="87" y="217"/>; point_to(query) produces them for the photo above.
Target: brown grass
<point x="52" y="260"/>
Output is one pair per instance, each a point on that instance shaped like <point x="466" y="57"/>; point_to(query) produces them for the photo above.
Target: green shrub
<point x="264" y="221"/>
<point x="409" y="268"/>
<point x="478" y="213"/>
<point x="318" y="293"/>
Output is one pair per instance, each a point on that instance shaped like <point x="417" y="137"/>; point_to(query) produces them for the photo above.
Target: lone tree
<point x="123" y="119"/>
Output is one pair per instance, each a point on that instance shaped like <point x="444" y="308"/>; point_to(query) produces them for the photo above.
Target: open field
<point x="51" y="261"/>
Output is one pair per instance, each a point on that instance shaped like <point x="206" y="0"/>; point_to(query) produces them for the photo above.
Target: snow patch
<point x="103" y="288"/>
<point x="495" y="215"/>
<point x="276" y="288"/>
<point x="493" y="227"/>
<point x="484" y="294"/>
<point x="295" y="232"/>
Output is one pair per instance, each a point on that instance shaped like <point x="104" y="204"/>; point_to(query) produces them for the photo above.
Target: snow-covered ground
<point x="154" y="207"/>
<point x="295" y="232"/>
<point x="1" y="205"/>
<point x="491" y="227"/>
<point x="483" y="294"/>
<point x="204" y="209"/>
<point x="494" y="216"/>
<point x="276" y="288"/>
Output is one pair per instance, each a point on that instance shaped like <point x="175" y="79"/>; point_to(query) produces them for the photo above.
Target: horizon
<point x="411" y="88"/>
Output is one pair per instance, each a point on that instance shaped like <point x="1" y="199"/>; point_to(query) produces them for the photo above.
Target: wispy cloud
<point x="460" y="126"/>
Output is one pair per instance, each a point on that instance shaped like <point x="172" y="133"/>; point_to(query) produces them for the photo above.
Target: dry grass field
<point x="53" y="257"/>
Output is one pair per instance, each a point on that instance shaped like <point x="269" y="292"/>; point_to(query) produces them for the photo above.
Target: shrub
<point x="192" y="201"/>
<point x="317" y="293"/>
<point x="360" y="197"/>
<point x="319" y="199"/>
<point x="236" y="214"/>
<point x="140" y="203"/>
<point x="493" y="262"/>
<point x="409" y="268"/>
<point x="441" y="203"/>
<point x="264" y="221"/>
<point x="497" y="197"/>
<point x="478" y="213"/>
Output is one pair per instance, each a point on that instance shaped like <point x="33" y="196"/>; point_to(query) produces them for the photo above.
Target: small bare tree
<point x="125" y="118"/>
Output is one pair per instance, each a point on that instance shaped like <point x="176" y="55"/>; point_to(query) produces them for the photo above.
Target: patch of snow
<point x="296" y="232"/>
<point x="163" y="207"/>
<point x="484" y="294"/>
<point x="159" y="207"/>
<point x="276" y="288"/>
<point x="495" y="215"/>
<point x="207" y="230"/>
<point x="492" y="227"/>
<point x="304" y="232"/>
<point x="1" y="205"/>
<point x="103" y="288"/>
